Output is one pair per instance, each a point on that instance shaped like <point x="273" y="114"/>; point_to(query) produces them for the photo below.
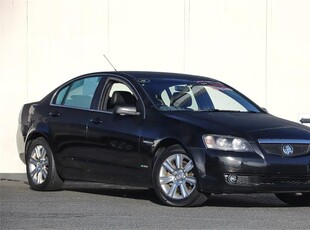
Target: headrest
<point x="181" y="99"/>
<point x="122" y="98"/>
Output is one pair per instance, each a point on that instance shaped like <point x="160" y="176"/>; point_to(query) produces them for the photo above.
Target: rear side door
<point x="113" y="139"/>
<point x="68" y="116"/>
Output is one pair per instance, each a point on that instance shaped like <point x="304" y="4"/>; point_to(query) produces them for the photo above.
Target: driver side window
<point x="119" y="94"/>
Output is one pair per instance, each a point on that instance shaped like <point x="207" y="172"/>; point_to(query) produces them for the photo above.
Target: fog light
<point x="232" y="179"/>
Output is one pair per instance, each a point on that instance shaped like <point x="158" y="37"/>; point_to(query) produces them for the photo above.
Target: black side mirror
<point x="305" y="120"/>
<point x="126" y="110"/>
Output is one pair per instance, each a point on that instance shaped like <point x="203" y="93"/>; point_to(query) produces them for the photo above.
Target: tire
<point x="40" y="165"/>
<point x="295" y="199"/>
<point x="174" y="178"/>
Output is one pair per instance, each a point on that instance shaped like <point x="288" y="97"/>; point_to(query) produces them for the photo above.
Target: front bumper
<point x="250" y="172"/>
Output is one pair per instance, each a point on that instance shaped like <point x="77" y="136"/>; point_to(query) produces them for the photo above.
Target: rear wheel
<point x="295" y="199"/>
<point x="175" y="180"/>
<point x="41" y="170"/>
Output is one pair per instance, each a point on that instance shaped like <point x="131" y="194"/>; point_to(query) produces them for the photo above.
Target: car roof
<point x="144" y="74"/>
<point x="152" y="75"/>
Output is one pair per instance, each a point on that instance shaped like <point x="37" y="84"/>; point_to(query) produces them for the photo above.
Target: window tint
<point x="79" y="93"/>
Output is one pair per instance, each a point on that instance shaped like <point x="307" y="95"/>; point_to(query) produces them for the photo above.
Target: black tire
<point x="40" y="165"/>
<point x="295" y="199"/>
<point x="174" y="192"/>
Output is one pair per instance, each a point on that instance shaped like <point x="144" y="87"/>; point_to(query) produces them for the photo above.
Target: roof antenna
<point x="109" y="62"/>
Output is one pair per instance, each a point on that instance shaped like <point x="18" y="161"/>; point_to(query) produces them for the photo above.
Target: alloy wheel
<point x="38" y="165"/>
<point x="176" y="176"/>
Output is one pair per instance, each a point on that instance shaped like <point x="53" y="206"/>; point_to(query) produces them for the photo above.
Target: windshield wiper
<point x="250" y="111"/>
<point x="212" y="110"/>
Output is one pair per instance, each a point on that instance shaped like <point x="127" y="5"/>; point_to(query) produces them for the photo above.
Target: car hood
<point x="253" y="125"/>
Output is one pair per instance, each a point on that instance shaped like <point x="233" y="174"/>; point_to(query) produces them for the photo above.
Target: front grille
<point x="276" y="149"/>
<point x="278" y="146"/>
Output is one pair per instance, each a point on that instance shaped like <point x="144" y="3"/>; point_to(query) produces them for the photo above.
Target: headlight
<point x="226" y="143"/>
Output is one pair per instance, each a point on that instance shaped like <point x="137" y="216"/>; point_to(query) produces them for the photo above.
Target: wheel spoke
<point x="45" y="162"/>
<point x="33" y="172"/>
<point x="191" y="180"/>
<point x="32" y="161"/>
<point x="44" y="173"/>
<point x="178" y="161"/>
<point x="37" y="151"/>
<point x="167" y="165"/>
<point x="188" y="167"/>
<point x="173" y="190"/>
<point x="166" y="179"/>
<point x="43" y="153"/>
<point x="184" y="190"/>
<point x="40" y="177"/>
<point x="35" y="177"/>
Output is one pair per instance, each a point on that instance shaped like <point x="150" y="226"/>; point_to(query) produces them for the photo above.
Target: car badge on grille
<point x="287" y="149"/>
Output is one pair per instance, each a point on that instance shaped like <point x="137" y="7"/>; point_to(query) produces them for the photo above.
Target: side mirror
<point x="305" y="120"/>
<point x="126" y="110"/>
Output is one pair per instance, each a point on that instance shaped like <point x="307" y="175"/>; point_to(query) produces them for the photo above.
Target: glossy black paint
<point x="95" y="145"/>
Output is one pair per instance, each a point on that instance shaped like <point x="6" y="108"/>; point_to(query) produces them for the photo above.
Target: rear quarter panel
<point x="24" y="121"/>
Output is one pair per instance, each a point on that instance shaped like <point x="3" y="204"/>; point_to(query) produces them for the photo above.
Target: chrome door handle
<point x="54" y="113"/>
<point x="96" y="120"/>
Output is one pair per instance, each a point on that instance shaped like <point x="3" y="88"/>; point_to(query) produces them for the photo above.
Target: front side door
<point x="113" y="139"/>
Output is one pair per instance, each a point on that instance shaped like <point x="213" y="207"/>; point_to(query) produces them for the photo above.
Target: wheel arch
<point x="164" y="143"/>
<point x="34" y="135"/>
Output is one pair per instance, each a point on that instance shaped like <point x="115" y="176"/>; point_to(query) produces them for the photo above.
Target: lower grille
<point x="285" y="180"/>
<point x="267" y="180"/>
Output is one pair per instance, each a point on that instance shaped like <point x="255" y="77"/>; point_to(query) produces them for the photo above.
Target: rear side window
<point x="79" y="93"/>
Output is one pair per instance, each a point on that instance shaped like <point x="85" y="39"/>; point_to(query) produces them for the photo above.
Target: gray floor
<point x="108" y="207"/>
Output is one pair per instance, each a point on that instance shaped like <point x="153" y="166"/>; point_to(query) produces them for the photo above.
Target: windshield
<point x="191" y="95"/>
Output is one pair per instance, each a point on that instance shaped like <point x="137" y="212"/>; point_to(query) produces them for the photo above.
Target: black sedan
<point x="185" y="136"/>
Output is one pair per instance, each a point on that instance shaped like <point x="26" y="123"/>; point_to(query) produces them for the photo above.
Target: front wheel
<point x="174" y="178"/>
<point x="41" y="169"/>
<point x="295" y="199"/>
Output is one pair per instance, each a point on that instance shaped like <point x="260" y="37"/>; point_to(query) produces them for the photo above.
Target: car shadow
<point x="245" y="201"/>
<point x="136" y="194"/>
<point x="231" y="200"/>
